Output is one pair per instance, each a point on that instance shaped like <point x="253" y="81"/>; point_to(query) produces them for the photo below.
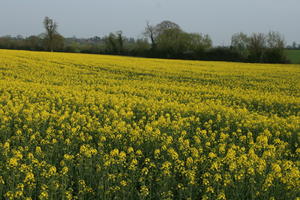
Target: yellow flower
<point x="139" y="152"/>
<point x="52" y="171"/>
<point x="221" y="196"/>
<point x="64" y="170"/>
<point x="145" y="171"/>
<point x="166" y="168"/>
<point x="18" y="194"/>
<point x="1" y="180"/>
<point x="217" y="177"/>
<point x="276" y="168"/>
<point x="10" y="195"/>
<point x="87" y="151"/>
<point x="69" y="195"/>
<point x="114" y="152"/>
<point x="156" y="153"/>
<point x="173" y="153"/>
<point x="210" y="189"/>
<point x="6" y="146"/>
<point x="122" y="155"/>
<point x="204" y="197"/>
<point x="38" y="150"/>
<point x="251" y="171"/>
<point x="68" y="141"/>
<point x="29" y="177"/>
<point x="133" y="164"/>
<point x="13" y="162"/>
<point x="43" y="195"/>
<point x="123" y="183"/>
<point x="130" y="150"/>
<point x="144" y="191"/>
<point x="68" y="157"/>
<point x="212" y="155"/>
<point x="30" y="156"/>
<point x="189" y="161"/>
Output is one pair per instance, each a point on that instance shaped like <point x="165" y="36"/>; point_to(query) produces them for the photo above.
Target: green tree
<point x="154" y="32"/>
<point x="34" y="42"/>
<point x="165" y="26"/>
<point x="172" y="43"/>
<point x="114" y="43"/>
<point x="111" y="43"/>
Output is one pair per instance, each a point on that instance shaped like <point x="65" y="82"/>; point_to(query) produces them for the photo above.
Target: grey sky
<point x="218" y="18"/>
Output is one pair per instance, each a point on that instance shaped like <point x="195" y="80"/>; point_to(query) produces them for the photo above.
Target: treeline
<point x="164" y="40"/>
<point x="294" y="46"/>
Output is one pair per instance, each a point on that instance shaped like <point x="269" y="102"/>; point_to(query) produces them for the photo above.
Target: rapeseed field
<point x="75" y="126"/>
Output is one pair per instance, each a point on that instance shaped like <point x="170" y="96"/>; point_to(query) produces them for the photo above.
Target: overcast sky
<point x="87" y="18"/>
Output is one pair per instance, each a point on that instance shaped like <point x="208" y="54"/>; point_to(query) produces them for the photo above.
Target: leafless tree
<point x="240" y="42"/>
<point x="151" y="33"/>
<point x="275" y="40"/>
<point x="51" y="30"/>
<point x="257" y="46"/>
<point x="120" y="41"/>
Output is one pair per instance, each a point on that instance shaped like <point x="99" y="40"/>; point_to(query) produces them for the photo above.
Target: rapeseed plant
<point x="76" y="126"/>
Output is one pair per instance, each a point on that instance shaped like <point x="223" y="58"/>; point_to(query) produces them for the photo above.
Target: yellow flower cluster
<point x="76" y="126"/>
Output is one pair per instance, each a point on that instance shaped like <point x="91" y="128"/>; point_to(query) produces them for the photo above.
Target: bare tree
<point x="151" y="33"/>
<point x="199" y="41"/>
<point x="120" y="41"/>
<point x="275" y="48"/>
<point x="275" y="40"/>
<point x="51" y="32"/>
<point x="240" y="42"/>
<point x="257" y="46"/>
